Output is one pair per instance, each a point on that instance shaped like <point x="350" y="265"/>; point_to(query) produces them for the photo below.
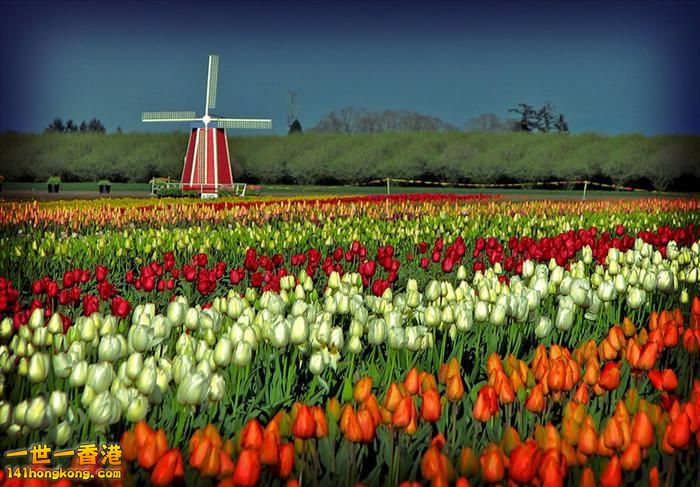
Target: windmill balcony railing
<point x="207" y="190"/>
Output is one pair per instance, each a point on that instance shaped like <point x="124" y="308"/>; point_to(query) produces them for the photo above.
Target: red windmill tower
<point x="207" y="162"/>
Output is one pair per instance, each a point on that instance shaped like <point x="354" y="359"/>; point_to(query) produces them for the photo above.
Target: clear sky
<point x="609" y="67"/>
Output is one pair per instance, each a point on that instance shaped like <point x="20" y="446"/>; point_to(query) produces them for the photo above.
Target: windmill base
<point x="207" y="167"/>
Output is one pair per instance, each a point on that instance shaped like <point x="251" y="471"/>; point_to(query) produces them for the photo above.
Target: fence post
<point x="585" y="186"/>
<point x="388" y="191"/>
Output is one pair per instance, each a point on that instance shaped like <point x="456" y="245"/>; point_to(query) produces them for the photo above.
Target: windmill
<point x="207" y="165"/>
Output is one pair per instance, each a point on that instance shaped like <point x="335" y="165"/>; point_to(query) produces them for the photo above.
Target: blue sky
<point x="609" y="67"/>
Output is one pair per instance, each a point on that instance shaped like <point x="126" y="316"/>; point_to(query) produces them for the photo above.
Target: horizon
<point x="609" y="68"/>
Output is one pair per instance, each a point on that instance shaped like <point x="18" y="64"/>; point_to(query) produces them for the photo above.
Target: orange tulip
<point x="405" y="413"/>
<point x="427" y="382"/>
<point x="492" y="465"/>
<point x="631" y="458"/>
<point x="148" y="455"/>
<point x="363" y="388"/>
<point x="691" y="340"/>
<point x="269" y="450"/>
<point x="321" y="423"/>
<point x="200" y="452"/>
<point x="581" y="394"/>
<point x="304" y="424"/>
<point x="557" y="375"/>
<point x="372" y="406"/>
<point x="654" y="480"/>
<point x="412" y="382"/>
<point x="524" y="460"/>
<point x="252" y="435"/>
<point x="393" y="397"/>
<point x="228" y="468"/>
<point x="431" y="409"/>
<point x="247" y="471"/>
<point x="353" y="430"/>
<point x="462" y="482"/>
<point x="455" y="388"/>
<point x="367" y="425"/>
<point x="431" y="464"/>
<point x="212" y="465"/>
<point x="642" y="430"/>
<point x="128" y="444"/>
<point x="333" y="408"/>
<point x="612" y="434"/>
<point x="648" y="357"/>
<point x="588" y="440"/>
<point x="612" y="474"/>
<point x="510" y="440"/>
<point x="535" y="401"/>
<point x="587" y="478"/>
<point x="286" y="460"/>
<point x="164" y="472"/>
<point x="679" y="431"/>
<point x="592" y="373"/>
<point x="467" y="464"/>
<point x="212" y="433"/>
<point x="610" y="376"/>
<point x="143" y="434"/>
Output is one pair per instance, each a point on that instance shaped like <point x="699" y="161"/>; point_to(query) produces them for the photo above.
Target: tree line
<point x="93" y="126"/>
<point x="351" y="120"/>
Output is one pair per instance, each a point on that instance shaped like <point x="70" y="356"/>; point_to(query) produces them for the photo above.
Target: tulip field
<point x="408" y="340"/>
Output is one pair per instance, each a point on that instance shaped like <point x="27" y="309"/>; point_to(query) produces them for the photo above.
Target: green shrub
<point x="661" y="162"/>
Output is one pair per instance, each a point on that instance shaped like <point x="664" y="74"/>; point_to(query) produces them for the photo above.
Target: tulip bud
<point x="587" y="255"/>
<point x="194" y="389"/>
<point x="432" y="291"/>
<point x="61" y="433"/>
<point x="100" y="376"/>
<point x="136" y="409"/>
<point x="299" y="331"/>
<point x="36" y="319"/>
<point x="316" y="364"/>
<point x="376" y="333"/>
<point x="243" y="354"/>
<point x="104" y="409"/>
<point x="55" y="325"/>
<point x="58" y="401"/>
<point x="665" y="281"/>
<point x="481" y="312"/>
<point x="39" y="365"/>
<point x="396" y="338"/>
<point x="565" y="314"/>
<point x="109" y="349"/>
<point x="543" y="327"/>
<point x="5" y="415"/>
<point x="498" y="315"/>
<point x="79" y="374"/>
<point x="146" y="380"/>
<point x="354" y="345"/>
<point x="636" y="298"/>
<point x="36" y="413"/>
<point x="606" y="291"/>
<point x="62" y="365"/>
<point x="88" y="331"/>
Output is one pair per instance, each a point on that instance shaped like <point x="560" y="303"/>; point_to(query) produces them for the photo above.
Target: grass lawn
<point x="80" y="190"/>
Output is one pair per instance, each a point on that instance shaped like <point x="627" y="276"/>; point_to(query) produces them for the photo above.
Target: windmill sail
<point x="212" y="78"/>
<point x="243" y="123"/>
<point x="168" y="117"/>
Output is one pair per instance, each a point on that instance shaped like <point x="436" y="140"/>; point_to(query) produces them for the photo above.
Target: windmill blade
<point x="168" y="117"/>
<point x="212" y="78"/>
<point x="243" y="123"/>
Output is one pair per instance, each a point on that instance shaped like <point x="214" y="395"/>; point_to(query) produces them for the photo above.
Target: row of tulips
<point x="121" y="213"/>
<point x="505" y="232"/>
<point x="429" y="428"/>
